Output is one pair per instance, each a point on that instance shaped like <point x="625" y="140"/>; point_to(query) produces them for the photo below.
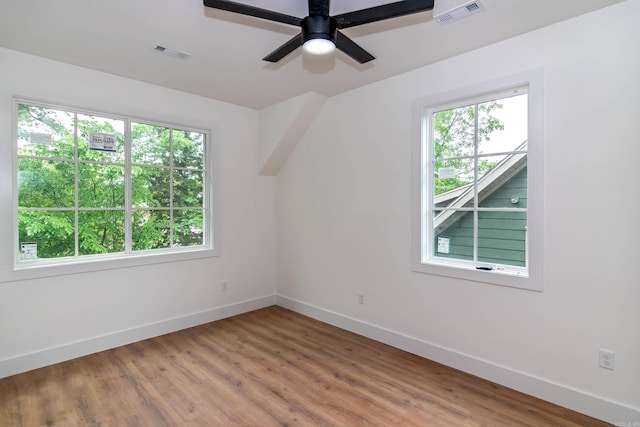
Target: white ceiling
<point x="118" y="36"/>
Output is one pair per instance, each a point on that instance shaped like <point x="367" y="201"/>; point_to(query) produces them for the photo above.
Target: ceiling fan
<point x="319" y="31"/>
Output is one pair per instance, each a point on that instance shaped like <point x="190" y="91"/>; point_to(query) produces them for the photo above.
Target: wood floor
<point x="270" y="367"/>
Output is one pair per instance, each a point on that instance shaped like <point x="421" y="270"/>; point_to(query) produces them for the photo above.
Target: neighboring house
<point x="502" y="235"/>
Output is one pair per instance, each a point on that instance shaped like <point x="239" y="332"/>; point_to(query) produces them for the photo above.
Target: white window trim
<point x="534" y="79"/>
<point x="11" y="269"/>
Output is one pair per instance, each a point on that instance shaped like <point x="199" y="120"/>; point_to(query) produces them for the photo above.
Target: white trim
<point x="89" y="263"/>
<point x="543" y="388"/>
<point x="37" y="359"/>
<point x="534" y="79"/>
<point x="72" y="265"/>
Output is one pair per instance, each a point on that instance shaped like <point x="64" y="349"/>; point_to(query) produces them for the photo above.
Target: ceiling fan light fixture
<point x="318" y="35"/>
<point x="318" y="46"/>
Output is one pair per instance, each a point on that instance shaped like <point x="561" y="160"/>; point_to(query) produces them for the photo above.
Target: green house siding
<point x="501" y="235"/>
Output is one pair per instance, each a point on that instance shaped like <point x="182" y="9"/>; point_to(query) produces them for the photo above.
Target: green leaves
<point x="100" y="186"/>
<point x="187" y="188"/>
<point x="150" y="145"/>
<point x="100" y="232"/>
<point x="53" y="231"/>
<point x="45" y="184"/>
<point x="151" y="229"/>
<point x="188" y="149"/>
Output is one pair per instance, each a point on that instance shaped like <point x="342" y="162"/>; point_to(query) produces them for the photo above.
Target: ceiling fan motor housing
<point x="319" y="27"/>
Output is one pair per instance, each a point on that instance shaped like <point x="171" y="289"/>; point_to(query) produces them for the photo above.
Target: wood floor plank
<point x="270" y="367"/>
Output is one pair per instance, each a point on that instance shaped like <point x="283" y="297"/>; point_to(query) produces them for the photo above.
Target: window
<point x="479" y="207"/>
<point x="92" y="187"/>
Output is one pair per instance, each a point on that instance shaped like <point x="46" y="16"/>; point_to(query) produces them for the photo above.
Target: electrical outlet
<point x="224" y="286"/>
<point x="360" y="297"/>
<point x="606" y="359"/>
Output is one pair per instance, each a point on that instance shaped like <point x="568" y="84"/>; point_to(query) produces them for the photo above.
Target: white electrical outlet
<point x="606" y="359"/>
<point x="360" y="297"/>
<point x="225" y="285"/>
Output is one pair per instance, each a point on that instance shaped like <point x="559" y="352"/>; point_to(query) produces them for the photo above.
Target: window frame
<point x="129" y="258"/>
<point x="525" y="278"/>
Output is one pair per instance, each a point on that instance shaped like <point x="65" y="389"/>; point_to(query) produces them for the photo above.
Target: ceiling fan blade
<point x="257" y="12"/>
<point x="285" y="49"/>
<point x="382" y="12"/>
<point x="349" y="47"/>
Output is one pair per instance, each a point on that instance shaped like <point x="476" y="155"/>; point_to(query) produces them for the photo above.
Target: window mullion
<point x="171" y="171"/>
<point x="76" y="172"/>
<point x="475" y="184"/>
<point x="128" y="195"/>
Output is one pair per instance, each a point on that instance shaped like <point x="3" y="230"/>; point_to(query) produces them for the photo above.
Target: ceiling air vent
<point x="169" y="51"/>
<point x="453" y="11"/>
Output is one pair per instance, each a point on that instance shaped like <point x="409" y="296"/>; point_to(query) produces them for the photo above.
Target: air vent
<point x="458" y="11"/>
<point x="472" y="7"/>
<point x="169" y="51"/>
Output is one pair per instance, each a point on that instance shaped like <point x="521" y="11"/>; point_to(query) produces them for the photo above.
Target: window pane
<point x="502" y="237"/>
<point x="452" y="177"/>
<point x="150" y="144"/>
<point x="187" y="188"/>
<point x="509" y="190"/>
<point x="502" y="124"/>
<point x="188" y="227"/>
<point x="453" y="234"/>
<point x="45" y="132"/>
<point x="53" y="232"/>
<point x="150" y="229"/>
<point x="486" y="164"/>
<point x="454" y="132"/>
<point x="45" y="184"/>
<point x="150" y="187"/>
<point x="188" y="149"/>
<point x="100" y="232"/>
<point x="100" y="139"/>
<point x="100" y="186"/>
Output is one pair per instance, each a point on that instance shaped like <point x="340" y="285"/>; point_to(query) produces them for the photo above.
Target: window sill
<point x="511" y="277"/>
<point x="56" y="267"/>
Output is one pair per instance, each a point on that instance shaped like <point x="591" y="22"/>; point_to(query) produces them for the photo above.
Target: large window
<point x="93" y="186"/>
<point x="476" y="214"/>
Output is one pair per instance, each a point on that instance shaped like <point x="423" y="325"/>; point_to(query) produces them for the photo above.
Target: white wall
<point x="50" y="319"/>
<point x="344" y="222"/>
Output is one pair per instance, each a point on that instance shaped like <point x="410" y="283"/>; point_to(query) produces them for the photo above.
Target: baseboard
<point x="559" y="394"/>
<point x="26" y="362"/>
